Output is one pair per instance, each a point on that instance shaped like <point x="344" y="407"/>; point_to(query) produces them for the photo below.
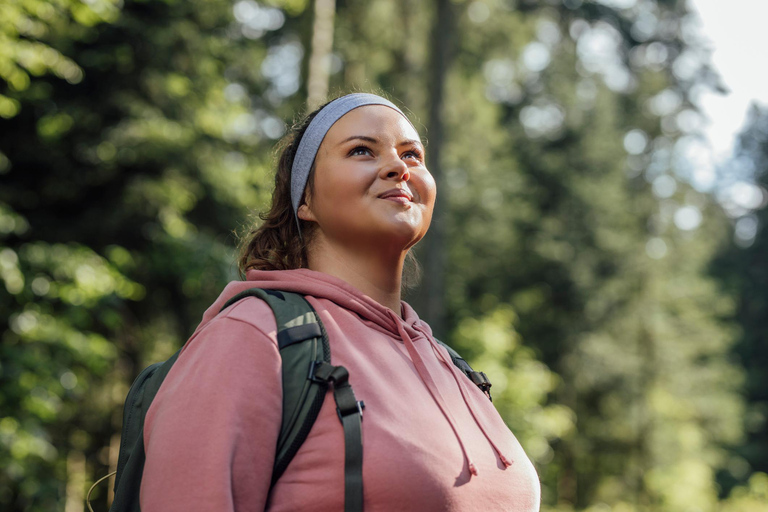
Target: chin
<point x="400" y="231"/>
<point x="407" y="233"/>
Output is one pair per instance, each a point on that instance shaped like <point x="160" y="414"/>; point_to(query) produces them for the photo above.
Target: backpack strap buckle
<point x="481" y="381"/>
<point x="359" y="406"/>
<point x="325" y="373"/>
<point x="321" y="372"/>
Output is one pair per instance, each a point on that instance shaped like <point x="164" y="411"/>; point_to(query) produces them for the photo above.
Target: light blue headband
<point x="315" y="133"/>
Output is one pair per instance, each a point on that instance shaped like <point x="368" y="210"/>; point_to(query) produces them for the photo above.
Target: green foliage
<point x="752" y="497"/>
<point x="57" y="366"/>
<point x="521" y="383"/>
<point x="29" y="33"/>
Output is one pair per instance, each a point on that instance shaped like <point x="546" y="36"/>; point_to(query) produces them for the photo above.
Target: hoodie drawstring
<point x="460" y="382"/>
<point x="426" y="378"/>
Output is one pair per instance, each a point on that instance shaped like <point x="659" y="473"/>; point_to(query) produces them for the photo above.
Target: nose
<point x="395" y="168"/>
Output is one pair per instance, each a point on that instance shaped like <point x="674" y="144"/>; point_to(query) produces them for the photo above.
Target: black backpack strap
<point x="302" y="341"/>
<point x="350" y="413"/>
<point x="307" y="374"/>
<point x="479" y="379"/>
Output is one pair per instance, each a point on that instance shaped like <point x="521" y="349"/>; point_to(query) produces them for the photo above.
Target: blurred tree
<point x="29" y="33"/>
<point x="431" y="299"/>
<point x="743" y="272"/>
<point x="318" y="75"/>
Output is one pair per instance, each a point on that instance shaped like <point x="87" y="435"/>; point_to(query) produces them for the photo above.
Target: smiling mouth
<point x="398" y="195"/>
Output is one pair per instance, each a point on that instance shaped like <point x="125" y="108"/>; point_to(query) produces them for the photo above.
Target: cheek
<point x="338" y="192"/>
<point x="428" y="191"/>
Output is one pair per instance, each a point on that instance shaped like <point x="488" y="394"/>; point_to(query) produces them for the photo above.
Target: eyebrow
<point x="406" y="142"/>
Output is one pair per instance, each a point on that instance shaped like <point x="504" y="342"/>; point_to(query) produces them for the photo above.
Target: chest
<point x="413" y="458"/>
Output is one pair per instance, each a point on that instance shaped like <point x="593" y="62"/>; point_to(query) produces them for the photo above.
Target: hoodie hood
<point x="320" y="285"/>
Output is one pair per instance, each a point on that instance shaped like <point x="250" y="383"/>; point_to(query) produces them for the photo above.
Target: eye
<point x="360" y="151"/>
<point x="414" y="154"/>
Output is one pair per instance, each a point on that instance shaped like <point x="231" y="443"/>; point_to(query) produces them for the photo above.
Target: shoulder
<point x="233" y="355"/>
<point x="249" y="314"/>
<point x="205" y="409"/>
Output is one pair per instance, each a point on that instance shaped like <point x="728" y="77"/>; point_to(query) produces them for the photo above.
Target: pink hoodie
<point x="431" y="440"/>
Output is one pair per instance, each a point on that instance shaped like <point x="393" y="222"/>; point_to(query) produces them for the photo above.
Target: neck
<point x="374" y="272"/>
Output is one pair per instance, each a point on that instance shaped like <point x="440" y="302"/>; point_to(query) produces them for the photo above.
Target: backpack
<point x="307" y="375"/>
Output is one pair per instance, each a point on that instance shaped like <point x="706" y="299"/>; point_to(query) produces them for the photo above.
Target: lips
<point x="398" y="194"/>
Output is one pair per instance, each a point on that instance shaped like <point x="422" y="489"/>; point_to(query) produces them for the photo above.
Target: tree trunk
<point x="320" y="58"/>
<point x="430" y="299"/>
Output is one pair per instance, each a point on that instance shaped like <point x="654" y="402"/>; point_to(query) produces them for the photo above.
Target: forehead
<point x="376" y="121"/>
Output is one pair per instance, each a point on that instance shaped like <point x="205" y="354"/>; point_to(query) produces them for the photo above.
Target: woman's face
<point x="371" y="188"/>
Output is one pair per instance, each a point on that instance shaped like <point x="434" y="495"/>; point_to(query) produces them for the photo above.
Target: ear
<point x="305" y="213"/>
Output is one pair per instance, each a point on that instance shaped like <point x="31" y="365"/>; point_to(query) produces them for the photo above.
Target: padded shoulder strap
<point x="303" y="343"/>
<point x="307" y="373"/>
<point x="480" y="379"/>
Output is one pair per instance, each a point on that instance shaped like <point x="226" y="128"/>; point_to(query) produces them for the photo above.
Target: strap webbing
<point x="353" y="457"/>
<point x="297" y="334"/>
<point x="350" y="413"/>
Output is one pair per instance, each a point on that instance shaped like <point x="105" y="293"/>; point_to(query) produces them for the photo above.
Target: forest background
<point x="618" y="307"/>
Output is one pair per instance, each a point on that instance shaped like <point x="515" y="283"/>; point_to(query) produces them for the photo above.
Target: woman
<point x="352" y="196"/>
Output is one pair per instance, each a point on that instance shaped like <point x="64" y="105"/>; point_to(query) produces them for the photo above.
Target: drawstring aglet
<point x="472" y="469"/>
<point x="504" y="460"/>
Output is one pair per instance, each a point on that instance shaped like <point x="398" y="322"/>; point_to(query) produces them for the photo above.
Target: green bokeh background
<point x="618" y="312"/>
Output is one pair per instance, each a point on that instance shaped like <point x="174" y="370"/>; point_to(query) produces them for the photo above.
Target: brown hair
<point x="275" y="242"/>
